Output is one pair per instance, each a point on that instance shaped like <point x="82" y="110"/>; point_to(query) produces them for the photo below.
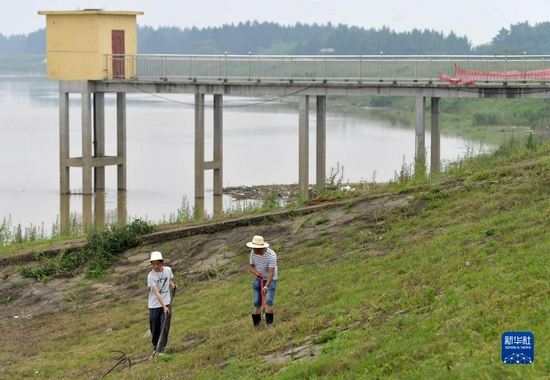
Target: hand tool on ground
<point x="122" y="358"/>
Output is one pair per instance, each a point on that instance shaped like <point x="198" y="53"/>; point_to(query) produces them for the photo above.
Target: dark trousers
<point x="156" y="319"/>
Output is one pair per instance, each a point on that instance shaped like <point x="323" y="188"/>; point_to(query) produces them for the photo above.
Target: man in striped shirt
<point x="263" y="265"/>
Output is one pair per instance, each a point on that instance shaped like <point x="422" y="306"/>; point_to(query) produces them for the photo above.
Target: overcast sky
<point x="479" y="20"/>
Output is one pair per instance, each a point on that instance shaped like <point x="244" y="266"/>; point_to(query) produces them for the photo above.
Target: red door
<point x="118" y="48"/>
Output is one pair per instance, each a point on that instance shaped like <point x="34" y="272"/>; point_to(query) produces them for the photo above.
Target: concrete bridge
<point x="305" y="77"/>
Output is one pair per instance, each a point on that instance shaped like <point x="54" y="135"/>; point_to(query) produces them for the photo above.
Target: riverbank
<point x="383" y="284"/>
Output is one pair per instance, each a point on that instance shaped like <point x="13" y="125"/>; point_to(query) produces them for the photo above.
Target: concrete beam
<point x="438" y="90"/>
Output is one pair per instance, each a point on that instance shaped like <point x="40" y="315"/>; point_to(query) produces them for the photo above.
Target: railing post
<point x="506" y="67"/>
<point x="394" y="69"/>
<point x="107" y="66"/>
<point x="381" y="58"/>
<point x="487" y="69"/>
<point x="291" y="70"/>
<point x="431" y="68"/>
<point x="524" y="66"/>
<point x="415" y="68"/>
<point x="162" y="67"/>
<point x="249" y="65"/>
<point x="467" y="67"/>
<point x="225" y="68"/>
<point x="325" y="69"/>
<point x="359" y="68"/>
<point x="543" y="65"/>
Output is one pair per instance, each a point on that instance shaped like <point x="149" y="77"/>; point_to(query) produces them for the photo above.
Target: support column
<point x="199" y="156"/>
<point x="303" y="150"/>
<point x="64" y="212"/>
<point x="64" y="146"/>
<point x="218" y="154"/>
<point x="121" y="207"/>
<point x="86" y="105"/>
<point x="99" y="139"/>
<point x="87" y="214"/>
<point x="420" y="142"/>
<point x="321" y="142"/>
<point x="121" y="139"/>
<point x="435" y="152"/>
<point x="99" y="217"/>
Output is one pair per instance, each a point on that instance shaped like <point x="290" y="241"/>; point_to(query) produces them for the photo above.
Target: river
<point x="260" y="147"/>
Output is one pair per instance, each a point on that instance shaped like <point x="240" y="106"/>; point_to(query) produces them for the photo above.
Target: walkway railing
<point x="356" y="68"/>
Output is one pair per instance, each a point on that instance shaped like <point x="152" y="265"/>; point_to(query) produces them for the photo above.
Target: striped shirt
<point x="262" y="263"/>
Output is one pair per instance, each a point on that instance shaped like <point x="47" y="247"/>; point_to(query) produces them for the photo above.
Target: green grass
<point x="387" y="298"/>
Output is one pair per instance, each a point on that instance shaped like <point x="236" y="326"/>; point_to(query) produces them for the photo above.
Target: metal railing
<point x="352" y="68"/>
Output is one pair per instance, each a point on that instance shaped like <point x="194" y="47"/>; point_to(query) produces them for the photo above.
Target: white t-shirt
<point x="162" y="281"/>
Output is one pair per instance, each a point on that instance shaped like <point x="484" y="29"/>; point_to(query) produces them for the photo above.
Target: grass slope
<point x="422" y="292"/>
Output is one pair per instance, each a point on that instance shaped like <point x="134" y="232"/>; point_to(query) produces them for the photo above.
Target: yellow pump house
<point x="82" y="44"/>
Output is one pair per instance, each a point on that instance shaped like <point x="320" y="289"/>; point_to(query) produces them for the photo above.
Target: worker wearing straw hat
<point x="263" y="265"/>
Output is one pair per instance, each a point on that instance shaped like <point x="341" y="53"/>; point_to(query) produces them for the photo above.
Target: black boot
<point x="268" y="318"/>
<point x="257" y="319"/>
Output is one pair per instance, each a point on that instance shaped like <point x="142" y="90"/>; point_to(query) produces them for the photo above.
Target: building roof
<point x="91" y="12"/>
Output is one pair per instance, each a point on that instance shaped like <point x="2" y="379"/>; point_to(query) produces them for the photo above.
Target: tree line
<point x="304" y="39"/>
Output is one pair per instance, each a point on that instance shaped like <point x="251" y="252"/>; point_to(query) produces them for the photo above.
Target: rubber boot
<point x="257" y="319"/>
<point x="268" y="318"/>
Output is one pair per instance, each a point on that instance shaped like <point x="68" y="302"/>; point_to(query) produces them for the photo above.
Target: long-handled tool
<point x="262" y="292"/>
<point x="164" y="325"/>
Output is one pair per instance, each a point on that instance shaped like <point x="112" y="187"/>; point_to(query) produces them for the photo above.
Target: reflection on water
<point x="260" y="147"/>
<point x="93" y="210"/>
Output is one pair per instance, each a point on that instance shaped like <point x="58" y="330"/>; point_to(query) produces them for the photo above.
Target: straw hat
<point x="257" y="242"/>
<point x="157" y="256"/>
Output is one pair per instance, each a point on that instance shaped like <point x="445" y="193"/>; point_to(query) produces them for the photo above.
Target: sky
<point x="479" y="20"/>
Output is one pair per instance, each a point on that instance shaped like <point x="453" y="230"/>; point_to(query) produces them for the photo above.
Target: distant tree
<point x="204" y="47"/>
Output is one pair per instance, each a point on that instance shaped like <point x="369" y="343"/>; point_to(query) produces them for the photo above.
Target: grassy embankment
<point x="428" y="299"/>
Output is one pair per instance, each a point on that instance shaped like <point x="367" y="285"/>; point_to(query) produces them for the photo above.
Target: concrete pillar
<point x="420" y="152"/>
<point x="121" y="139"/>
<point x="64" y="146"/>
<point x="321" y="142"/>
<point x="121" y="207"/>
<point x="303" y="146"/>
<point x="435" y="151"/>
<point x="64" y="212"/>
<point x="87" y="215"/>
<point x="99" y="208"/>
<point x="86" y="105"/>
<point x="218" y="154"/>
<point x="99" y="138"/>
<point x="420" y="141"/>
<point x="199" y="156"/>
